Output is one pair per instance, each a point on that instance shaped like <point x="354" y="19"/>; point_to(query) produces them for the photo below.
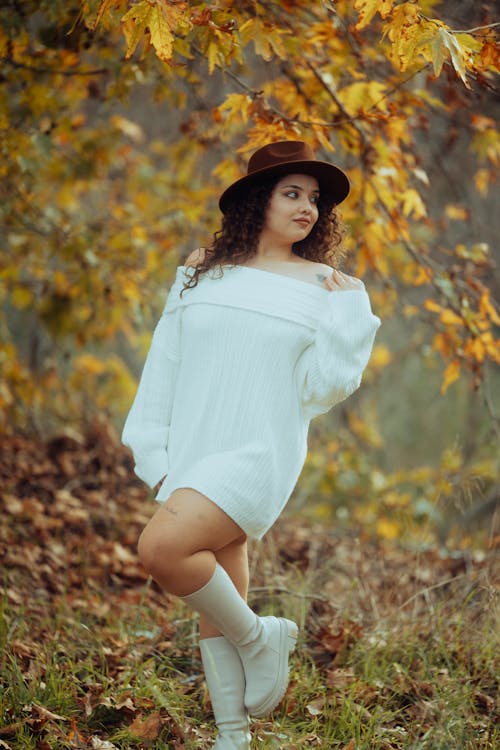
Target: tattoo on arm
<point x="321" y="277"/>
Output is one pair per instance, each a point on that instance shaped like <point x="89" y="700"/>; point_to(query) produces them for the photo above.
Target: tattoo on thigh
<point x="171" y="510"/>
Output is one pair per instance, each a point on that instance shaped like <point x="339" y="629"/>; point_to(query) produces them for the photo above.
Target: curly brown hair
<point x="237" y="239"/>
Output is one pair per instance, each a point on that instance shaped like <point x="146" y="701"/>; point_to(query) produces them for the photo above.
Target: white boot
<point x="263" y="643"/>
<point x="226" y="684"/>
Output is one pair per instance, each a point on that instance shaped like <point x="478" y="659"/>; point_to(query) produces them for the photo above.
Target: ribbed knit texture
<point x="236" y="370"/>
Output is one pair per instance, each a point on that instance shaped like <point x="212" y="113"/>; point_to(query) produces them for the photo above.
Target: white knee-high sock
<point x="221" y="603"/>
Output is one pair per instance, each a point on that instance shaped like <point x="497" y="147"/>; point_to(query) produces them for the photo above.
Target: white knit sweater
<point x="236" y="370"/>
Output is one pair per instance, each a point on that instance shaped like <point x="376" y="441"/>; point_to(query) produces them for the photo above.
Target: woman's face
<point x="293" y="208"/>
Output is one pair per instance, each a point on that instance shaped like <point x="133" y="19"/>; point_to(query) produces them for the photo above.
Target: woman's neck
<point x="273" y="251"/>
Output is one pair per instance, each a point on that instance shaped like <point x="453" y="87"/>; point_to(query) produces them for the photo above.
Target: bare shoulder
<point x="196" y="257"/>
<point x="316" y="272"/>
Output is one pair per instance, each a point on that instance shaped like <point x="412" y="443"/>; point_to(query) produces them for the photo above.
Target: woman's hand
<point x="339" y="281"/>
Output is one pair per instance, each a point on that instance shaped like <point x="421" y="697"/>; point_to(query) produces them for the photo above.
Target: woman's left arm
<point x="331" y="367"/>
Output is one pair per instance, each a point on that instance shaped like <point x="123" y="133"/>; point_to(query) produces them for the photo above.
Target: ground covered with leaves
<point x="399" y="647"/>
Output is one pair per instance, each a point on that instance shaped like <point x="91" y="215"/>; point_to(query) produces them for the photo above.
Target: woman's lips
<point x="302" y="222"/>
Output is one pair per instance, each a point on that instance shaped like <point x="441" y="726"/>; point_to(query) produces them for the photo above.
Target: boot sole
<point x="288" y="639"/>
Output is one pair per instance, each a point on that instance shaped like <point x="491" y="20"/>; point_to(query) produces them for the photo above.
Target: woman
<point x="240" y="362"/>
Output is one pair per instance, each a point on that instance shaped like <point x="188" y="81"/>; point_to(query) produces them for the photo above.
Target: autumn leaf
<point x="490" y="56"/>
<point x="362" y="96"/>
<point x="234" y="107"/>
<point x="75" y="738"/>
<point x="388" y="529"/>
<point x="447" y="42"/>
<point x="156" y="17"/>
<point x="487" y="308"/>
<point x="267" y="40"/>
<point x="368" y="8"/>
<point x="146" y="729"/>
<point x="104" y="7"/>
<point x="451" y="374"/>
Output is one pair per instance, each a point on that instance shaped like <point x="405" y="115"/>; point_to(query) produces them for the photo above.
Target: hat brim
<point x="333" y="183"/>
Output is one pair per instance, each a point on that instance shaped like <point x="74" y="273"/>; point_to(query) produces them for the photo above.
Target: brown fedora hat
<point x="286" y="157"/>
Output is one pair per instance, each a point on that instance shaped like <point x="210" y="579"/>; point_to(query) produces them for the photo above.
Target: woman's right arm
<point x="147" y="426"/>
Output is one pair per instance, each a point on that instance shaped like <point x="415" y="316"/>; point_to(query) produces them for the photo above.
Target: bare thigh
<point x="184" y="536"/>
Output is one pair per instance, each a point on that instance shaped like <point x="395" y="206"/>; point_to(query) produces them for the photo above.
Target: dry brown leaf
<point x="46" y="714"/>
<point x="146" y="729"/>
<point x="340" y="678"/>
<point x="315" y="707"/>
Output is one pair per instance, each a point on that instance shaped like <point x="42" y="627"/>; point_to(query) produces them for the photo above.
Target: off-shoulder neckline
<point x="273" y="273"/>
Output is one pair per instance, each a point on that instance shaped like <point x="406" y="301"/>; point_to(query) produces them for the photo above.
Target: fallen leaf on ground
<point x="146" y="729"/>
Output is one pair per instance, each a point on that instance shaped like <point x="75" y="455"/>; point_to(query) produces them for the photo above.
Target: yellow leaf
<point x="424" y="276"/>
<point x="165" y="18"/>
<point x="413" y="204"/>
<point x="482" y="180"/>
<point x="267" y="39"/>
<point x="429" y="304"/>
<point x="446" y="316"/>
<point x="368" y="8"/>
<point x="361" y="96"/>
<point x="133" y="30"/>
<point x="21" y="297"/>
<point x="381" y="356"/>
<point x="235" y="106"/>
<point x="410" y="311"/>
<point x="159" y="19"/>
<point x="457" y="212"/>
<point x="442" y="343"/>
<point x="451" y="374"/>
<point x="89" y="364"/>
<point x="104" y="7"/>
<point x="476" y="348"/>
<point x="365" y="429"/>
<point x="387" y="528"/>
<point x="213" y="56"/>
<point x="487" y="309"/>
<point x="449" y="318"/>
<point x="402" y="35"/>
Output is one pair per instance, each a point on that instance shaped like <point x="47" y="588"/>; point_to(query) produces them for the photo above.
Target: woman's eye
<point x="294" y="194"/>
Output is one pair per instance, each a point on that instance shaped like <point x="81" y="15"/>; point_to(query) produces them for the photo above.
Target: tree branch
<point x="472" y="31"/>
<point x="53" y="71"/>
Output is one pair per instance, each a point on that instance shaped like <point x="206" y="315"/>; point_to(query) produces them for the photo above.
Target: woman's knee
<point x="159" y="551"/>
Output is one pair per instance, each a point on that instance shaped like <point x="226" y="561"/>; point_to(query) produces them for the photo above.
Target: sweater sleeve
<point x="330" y="368"/>
<point x="146" y="428"/>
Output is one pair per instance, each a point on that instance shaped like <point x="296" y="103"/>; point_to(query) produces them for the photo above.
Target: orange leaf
<point x="424" y="276"/>
<point x="487" y="308"/>
<point x="147" y="729"/>
<point x="451" y="374"/>
<point x="76" y="739"/>
<point x="429" y="304"/>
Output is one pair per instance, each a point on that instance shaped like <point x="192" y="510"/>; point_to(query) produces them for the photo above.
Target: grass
<point x="399" y="649"/>
<point x="366" y="676"/>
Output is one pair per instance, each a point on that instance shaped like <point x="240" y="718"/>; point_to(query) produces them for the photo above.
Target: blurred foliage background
<point x="121" y="123"/>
